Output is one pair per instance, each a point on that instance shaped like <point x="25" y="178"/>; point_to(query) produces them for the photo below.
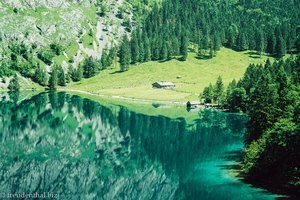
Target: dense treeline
<point x="270" y="95"/>
<point x="265" y="26"/>
<point x="273" y="140"/>
<point x="173" y="28"/>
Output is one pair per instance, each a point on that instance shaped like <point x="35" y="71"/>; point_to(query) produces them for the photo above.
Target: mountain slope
<point x="79" y="28"/>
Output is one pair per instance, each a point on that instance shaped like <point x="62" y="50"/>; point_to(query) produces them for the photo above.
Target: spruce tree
<point x="281" y="48"/>
<point x="175" y="46"/>
<point x="164" y="52"/>
<point x="242" y="42"/>
<point x="216" y="43"/>
<point x="134" y="49"/>
<point x="141" y="52"/>
<point x="208" y="94"/>
<point x="211" y="52"/>
<point x="104" y="59"/>
<point x="124" y="54"/>
<point x="262" y="107"/>
<point x="40" y="76"/>
<point x="90" y="67"/>
<point x="184" y="48"/>
<point x="76" y="74"/>
<point x="147" y="49"/>
<point x="237" y="100"/>
<point x="260" y="43"/>
<point x="61" y="76"/>
<point x="67" y="77"/>
<point x="53" y="79"/>
<point x="218" y="90"/>
<point x="271" y="47"/>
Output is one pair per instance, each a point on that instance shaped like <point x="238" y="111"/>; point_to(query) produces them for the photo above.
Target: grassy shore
<point x="195" y="73"/>
<point x="172" y="111"/>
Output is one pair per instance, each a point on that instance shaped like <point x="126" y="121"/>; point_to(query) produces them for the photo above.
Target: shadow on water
<point x="80" y="149"/>
<point x="291" y="193"/>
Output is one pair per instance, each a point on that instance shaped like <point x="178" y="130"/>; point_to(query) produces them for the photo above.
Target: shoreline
<point x="131" y="99"/>
<point x="121" y="98"/>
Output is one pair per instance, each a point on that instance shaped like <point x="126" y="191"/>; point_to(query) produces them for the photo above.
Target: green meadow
<point x="195" y="75"/>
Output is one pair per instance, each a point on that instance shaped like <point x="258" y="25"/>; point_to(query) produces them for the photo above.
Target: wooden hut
<point x="163" y="85"/>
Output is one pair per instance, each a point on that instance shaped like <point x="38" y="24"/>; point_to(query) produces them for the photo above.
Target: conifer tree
<point x="281" y="47"/>
<point x="218" y="90"/>
<point x="184" y="48"/>
<point x="124" y="54"/>
<point x="68" y="78"/>
<point x="147" y="50"/>
<point x="40" y="76"/>
<point x="141" y="52"/>
<point x="271" y="47"/>
<point x="53" y="79"/>
<point x="260" y="43"/>
<point x="236" y="100"/>
<point x="164" y="52"/>
<point x="208" y="94"/>
<point x="175" y="46"/>
<point x="242" y="42"/>
<point x="61" y="77"/>
<point x="134" y="49"/>
<point x="76" y="74"/>
<point x="90" y="67"/>
<point x="262" y="107"/>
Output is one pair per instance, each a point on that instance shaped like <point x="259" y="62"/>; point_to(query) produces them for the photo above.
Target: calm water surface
<point x="79" y="149"/>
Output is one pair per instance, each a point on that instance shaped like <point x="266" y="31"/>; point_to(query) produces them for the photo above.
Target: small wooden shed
<point x="163" y="85"/>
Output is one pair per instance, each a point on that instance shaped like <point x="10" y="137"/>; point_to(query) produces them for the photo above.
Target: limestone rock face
<point x="36" y="3"/>
<point x="76" y="25"/>
<point x="46" y="3"/>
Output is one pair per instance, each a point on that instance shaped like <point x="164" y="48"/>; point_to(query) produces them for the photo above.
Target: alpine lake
<point x="65" y="146"/>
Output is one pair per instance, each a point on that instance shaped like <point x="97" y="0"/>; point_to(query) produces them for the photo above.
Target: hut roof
<point x="163" y="83"/>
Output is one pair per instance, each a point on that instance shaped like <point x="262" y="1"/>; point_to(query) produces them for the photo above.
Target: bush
<point x="56" y="48"/>
<point x="46" y="56"/>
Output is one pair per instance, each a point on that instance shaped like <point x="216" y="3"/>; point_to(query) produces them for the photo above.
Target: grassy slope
<point x="196" y="74"/>
<point x="29" y="84"/>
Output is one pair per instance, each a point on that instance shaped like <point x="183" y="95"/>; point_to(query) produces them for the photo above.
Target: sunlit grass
<point x="196" y="74"/>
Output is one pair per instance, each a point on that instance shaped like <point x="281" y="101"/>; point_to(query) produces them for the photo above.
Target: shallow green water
<point x="75" y="148"/>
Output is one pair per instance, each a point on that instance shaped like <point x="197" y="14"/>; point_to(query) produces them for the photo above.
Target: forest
<point x="270" y="95"/>
<point x="180" y="26"/>
<point x="171" y="30"/>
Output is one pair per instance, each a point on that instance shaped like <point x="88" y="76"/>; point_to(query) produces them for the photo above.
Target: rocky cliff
<point x="83" y="28"/>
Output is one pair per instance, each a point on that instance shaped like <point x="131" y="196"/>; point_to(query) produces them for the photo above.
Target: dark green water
<point x="78" y="149"/>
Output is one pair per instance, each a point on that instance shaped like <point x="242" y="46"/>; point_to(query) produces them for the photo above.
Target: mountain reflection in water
<point x="79" y="149"/>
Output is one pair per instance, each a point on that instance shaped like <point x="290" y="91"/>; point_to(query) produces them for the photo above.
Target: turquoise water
<point x="63" y="146"/>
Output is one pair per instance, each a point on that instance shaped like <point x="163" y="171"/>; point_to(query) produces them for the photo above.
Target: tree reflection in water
<point x="62" y="143"/>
